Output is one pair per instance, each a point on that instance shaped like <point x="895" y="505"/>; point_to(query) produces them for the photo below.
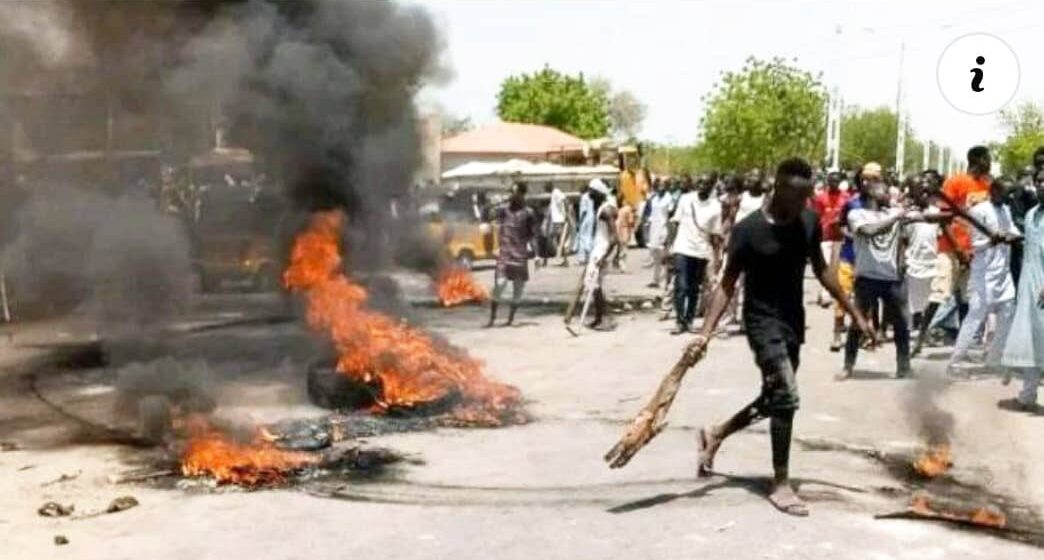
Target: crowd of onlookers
<point x="933" y="260"/>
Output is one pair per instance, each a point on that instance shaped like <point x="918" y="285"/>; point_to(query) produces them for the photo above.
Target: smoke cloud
<point x="322" y="92"/>
<point x="921" y="403"/>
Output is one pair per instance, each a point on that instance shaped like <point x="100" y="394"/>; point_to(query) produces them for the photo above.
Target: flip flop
<point x="790" y="505"/>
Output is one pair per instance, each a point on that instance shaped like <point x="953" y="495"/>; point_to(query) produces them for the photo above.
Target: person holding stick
<point x="604" y="241"/>
<point x="990" y="282"/>
<point x="771" y="249"/>
<point x="878" y="230"/>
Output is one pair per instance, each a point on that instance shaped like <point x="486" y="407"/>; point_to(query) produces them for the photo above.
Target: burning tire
<point x="154" y="418"/>
<point x="332" y="390"/>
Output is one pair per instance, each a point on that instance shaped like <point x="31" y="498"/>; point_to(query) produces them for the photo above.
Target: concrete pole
<point x="900" y="133"/>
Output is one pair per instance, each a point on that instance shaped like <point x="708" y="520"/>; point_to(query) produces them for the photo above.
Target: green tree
<point x="1024" y="125"/>
<point x="763" y="113"/>
<point x="551" y="98"/>
<point x="667" y="159"/>
<point x="869" y="135"/>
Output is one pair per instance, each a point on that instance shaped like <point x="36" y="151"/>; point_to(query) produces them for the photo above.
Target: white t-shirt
<point x="876" y="256"/>
<point x="748" y="205"/>
<point x="922" y="247"/>
<point x="659" y="215"/>
<point x="602" y="232"/>
<point x="558" y="206"/>
<point x="990" y="273"/>
<point x="697" y="221"/>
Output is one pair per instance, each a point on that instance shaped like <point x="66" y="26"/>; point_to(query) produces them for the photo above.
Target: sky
<point x="669" y="53"/>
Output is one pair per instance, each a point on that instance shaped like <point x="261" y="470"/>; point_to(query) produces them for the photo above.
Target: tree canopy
<point x="869" y="135"/>
<point x="551" y="98"/>
<point x="763" y="113"/>
<point x="1024" y="127"/>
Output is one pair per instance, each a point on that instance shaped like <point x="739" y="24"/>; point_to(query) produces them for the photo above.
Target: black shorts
<point x="777" y="354"/>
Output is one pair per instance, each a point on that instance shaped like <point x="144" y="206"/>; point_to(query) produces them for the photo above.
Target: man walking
<point x="951" y="281"/>
<point x="698" y="223"/>
<point x="828" y="205"/>
<point x="659" y="204"/>
<point x="876" y="230"/>
<point x="771" y="250"/>
<point x="585" y="227"/>
<point x="603" y="242"/>
<point x="990" y="284"/>
<point x="517" y="223"/>
<point x="558" y="220"/>
<point x="922" y="251"/>
<point x="1024" y="349"/>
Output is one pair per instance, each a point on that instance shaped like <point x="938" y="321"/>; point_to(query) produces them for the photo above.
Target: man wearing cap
<point x="604" y="241"/>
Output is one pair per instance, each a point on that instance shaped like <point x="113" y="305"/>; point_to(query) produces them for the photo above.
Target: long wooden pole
<point x="651" y="420"/>
<point x="3" y="298"/>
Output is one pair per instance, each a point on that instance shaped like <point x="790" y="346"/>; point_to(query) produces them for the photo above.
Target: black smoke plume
<point x="322" y="92"/>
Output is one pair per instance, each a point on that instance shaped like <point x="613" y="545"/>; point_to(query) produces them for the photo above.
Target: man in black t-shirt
<point x="770" y="249"/>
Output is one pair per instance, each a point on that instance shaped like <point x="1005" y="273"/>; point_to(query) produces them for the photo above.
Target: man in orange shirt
<point x="951" y="279"/>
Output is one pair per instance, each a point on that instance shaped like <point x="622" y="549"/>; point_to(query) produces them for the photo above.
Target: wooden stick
<point x="3" y="298"/>
<point x="138" y="476"/>
<point x="579" y="293"/>
<point x="560" y="252"/>
<point x="650" y="421"/>
<point x="961" y="213"/>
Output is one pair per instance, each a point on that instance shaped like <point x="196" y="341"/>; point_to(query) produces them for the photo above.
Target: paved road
<point x="541" y="490"/>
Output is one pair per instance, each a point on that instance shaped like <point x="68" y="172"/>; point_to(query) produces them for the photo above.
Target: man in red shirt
<point x="951" y="278"/>
<point x="828" y="204"/>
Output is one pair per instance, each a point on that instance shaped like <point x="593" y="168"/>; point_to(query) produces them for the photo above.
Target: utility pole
<point x="900" y="121"/>
<point x="926" y="156"/>
<point x="834" y="109"/>
<point x="833" y="142"/>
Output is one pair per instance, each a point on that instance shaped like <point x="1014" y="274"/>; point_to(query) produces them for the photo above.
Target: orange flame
<point x="984" y="516"/>
<point x="455" y="285"/>
<point x="934" y="461"/>
<point x="259" y="463"/>
<point x="410" y="368"/>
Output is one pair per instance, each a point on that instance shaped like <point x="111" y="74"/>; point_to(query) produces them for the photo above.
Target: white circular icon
<point x="978" y="73"/>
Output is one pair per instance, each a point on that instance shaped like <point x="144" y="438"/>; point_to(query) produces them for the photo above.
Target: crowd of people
<point x="930" y="260"/>
<point x="926" y="260"/>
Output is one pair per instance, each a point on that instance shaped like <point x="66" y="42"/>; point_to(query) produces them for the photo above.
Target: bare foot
<point x="709" y="444"/>
<point x="787" y="501"/>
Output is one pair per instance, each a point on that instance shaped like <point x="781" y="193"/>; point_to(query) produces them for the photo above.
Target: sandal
<point x="787" y="501"/>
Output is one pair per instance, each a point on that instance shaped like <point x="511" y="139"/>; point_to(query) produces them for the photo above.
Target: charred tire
<point x="332" y="390"/>
<point x="154" y="418"/>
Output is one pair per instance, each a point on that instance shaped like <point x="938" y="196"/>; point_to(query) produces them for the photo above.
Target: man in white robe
<point x="990" y="283"/>
<point x="1024" y="349"/>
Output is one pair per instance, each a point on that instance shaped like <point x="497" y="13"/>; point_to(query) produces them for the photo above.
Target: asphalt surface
<point x="541" y="489"/>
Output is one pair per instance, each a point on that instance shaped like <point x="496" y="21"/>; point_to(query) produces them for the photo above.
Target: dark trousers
<point x="1016" y="262"/>
<point x="690" y="272"/>
<point x="892" y="296"/>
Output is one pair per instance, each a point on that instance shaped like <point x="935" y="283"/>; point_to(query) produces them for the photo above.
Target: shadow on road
<point x="759" y="486"/>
